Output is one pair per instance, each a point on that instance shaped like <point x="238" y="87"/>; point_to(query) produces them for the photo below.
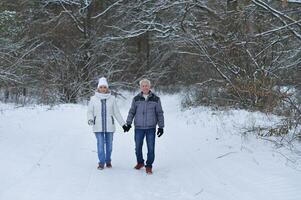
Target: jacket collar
<point x="150" y="94"/>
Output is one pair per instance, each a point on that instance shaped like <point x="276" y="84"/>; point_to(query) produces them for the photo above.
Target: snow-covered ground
<point x="50" y="154"/>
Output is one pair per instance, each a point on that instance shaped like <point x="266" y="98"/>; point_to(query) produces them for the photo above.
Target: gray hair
<point x="145" y="81"/>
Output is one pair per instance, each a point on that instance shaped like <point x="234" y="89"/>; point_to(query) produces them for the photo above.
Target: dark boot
<point x="100" y="167"/>
<point x="139" y="166"/>
<point x="149" y="170"/>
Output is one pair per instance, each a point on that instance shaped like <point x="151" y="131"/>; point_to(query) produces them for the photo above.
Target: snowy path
<point x="51" y="155"/>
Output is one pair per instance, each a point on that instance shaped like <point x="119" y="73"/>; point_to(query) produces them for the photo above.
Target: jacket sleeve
<point x="132" y="113"/>
<point x="159" y="113"/>
<point x="117" y="114"/>
<point x="90" y="112"/>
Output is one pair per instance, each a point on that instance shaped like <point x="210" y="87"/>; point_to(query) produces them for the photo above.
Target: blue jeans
<point x="150" y="135"/>
<point x="104" y="146"/>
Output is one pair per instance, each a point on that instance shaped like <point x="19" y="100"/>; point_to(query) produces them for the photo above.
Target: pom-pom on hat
<point x="102" y="82"/>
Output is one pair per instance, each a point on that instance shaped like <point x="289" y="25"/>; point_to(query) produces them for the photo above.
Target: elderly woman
<point x="102" y="110"/>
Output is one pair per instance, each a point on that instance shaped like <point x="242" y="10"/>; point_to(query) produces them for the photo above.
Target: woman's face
<point x="102" y="89"/>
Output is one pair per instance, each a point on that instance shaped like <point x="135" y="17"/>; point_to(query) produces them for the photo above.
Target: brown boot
<point x="109" y="165"/>
<point x="149" y="170"/>
<point x="139" y="166"/>
<point x="100" y="167"/>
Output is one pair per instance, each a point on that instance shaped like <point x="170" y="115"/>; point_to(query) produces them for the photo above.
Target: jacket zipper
<point x="144" y="113"/>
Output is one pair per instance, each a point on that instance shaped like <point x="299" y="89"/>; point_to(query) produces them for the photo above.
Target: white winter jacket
<point x="102" y="109"/>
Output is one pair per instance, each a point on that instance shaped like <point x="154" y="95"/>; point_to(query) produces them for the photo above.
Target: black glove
<point x="91" y="122"/>
<point x="160" y="132"/>
<point x="126" y="128"/>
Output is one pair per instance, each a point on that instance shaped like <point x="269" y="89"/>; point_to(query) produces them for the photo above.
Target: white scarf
<point x="103" y="95"/>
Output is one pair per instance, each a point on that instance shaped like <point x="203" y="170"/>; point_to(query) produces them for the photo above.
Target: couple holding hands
<point x="146" y="111"/>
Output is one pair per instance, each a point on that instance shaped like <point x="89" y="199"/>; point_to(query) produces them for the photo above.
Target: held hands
<point x="126" y="127"/>
<point x="160" y="132"/>
<point x="91" y="122"/>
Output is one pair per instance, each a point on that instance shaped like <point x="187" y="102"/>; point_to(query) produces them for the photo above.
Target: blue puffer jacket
<point x="147" y="113"/>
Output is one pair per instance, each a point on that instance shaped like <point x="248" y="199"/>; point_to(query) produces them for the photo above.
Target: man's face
<point x="145" y="87"/>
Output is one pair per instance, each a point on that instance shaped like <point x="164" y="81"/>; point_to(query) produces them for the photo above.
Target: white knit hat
<point x="102" y="82"/>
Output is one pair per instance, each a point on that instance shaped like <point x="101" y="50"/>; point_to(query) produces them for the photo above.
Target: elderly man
<point x="147" y="110"/>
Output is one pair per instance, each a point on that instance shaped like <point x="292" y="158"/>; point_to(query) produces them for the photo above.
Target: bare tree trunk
<point x="6" y="95"/>
<point x="143" y="49"/>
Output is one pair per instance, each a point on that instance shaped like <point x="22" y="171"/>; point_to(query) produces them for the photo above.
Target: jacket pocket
<point x="151" y="119"/>
<point x="112" y="120"/>
<point x="139" y="119"/>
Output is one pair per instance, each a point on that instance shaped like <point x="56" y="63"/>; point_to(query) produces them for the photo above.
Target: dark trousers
<point x="150" y="135"/>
